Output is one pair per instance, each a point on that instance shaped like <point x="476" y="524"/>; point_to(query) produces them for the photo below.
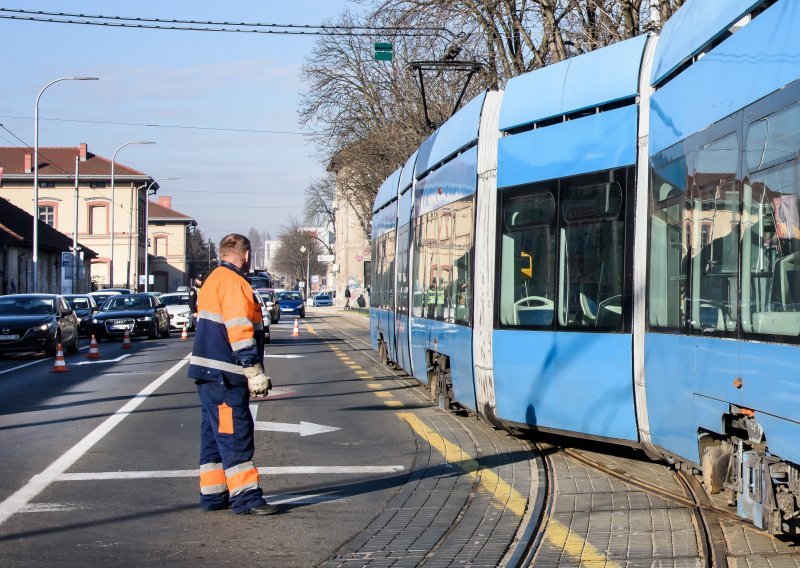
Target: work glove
<point x="258" y="382"/>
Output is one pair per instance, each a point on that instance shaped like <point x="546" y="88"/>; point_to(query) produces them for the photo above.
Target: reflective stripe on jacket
<point x="229" y="328"/>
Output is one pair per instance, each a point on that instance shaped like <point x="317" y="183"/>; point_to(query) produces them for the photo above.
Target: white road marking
<point x="277" y="470"/>
<point x="288" y="499"/>
<point x="288" y="356"/>
<point x="117" y="360"/>
<point x="38" y="483"/>
<point x="35" y="362"/>
<point x="303" y="428"/>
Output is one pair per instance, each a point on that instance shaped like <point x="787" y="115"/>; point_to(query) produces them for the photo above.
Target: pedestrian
<point x="362" y="303"/>
<point x="227" y="367"/>
<point x="193" y="291"/>
<point x="347" y="297"/>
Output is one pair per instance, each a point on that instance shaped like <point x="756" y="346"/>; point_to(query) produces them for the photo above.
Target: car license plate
<point x="120" y="327"/>
<point x="9" y="337"/>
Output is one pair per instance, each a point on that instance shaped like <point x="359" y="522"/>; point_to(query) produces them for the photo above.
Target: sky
<point x="229" y="181"/>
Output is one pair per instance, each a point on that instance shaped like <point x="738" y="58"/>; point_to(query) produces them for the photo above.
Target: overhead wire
<point x="151" y="125"/>
<point x="219" y="27"/>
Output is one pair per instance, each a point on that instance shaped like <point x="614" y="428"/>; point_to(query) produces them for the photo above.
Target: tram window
<point x="402" y="270"/>
<point x="771" y="252"/>
<point x="591" y="256"/>
<point x="669" y="246"/>
<point x="715" y="237"/>
<point x="527" y="258"/>
<point x="773" y="139"/>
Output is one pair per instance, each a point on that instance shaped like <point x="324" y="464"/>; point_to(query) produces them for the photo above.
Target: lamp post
<point x="147" y="187"/>
<point x="36" y="175"/>
<point x="113" y="206"/>
<point x="308" y="266"/>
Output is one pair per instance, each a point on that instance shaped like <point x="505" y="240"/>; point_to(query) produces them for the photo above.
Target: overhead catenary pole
<point x="147" y="229"/>
<point x="113" y="206"/>
<point x="35" y="167"/>
<point x="75" y="232"/>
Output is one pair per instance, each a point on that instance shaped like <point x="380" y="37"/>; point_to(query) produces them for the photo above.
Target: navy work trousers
<point x="227" y="473"/>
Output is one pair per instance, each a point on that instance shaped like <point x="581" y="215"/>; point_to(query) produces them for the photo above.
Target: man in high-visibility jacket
<point x="226" y="365"/>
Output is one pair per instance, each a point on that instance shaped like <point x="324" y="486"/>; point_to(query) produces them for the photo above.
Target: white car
<point x="266" y="315"/>
<point x="179" y="312"/>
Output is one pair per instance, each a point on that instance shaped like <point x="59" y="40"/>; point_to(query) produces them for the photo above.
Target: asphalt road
<point x="99" y="462"/>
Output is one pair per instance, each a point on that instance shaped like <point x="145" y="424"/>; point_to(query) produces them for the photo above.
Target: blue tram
<point x="610" y="249"/>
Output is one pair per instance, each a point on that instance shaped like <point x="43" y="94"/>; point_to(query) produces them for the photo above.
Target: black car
<point x="84" y="306"/>
<point x="139" y="314"/>
<point x="37" y="322"/>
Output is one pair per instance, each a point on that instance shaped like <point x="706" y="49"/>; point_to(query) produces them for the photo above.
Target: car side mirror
<point x="95" y="309"/>
<point x="68" y="312"/>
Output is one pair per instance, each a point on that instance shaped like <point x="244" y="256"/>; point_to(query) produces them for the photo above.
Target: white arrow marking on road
<point x="303" y="428"/>
<point x="117" y="360"/>
<point x="290" y="356"/>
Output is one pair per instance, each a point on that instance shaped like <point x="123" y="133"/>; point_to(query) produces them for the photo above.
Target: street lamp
<point x="308" y="266"/>
<point x="36" y="175"/>
<point x="113" y="207"/>
<point x="147" y="187"/>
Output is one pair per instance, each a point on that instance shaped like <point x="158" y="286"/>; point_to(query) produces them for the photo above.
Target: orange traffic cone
<point x="296" y="330"/>
<point x="94" y="352"/>
<point x="60" y="366"/>
<point x="126" y="340"/>
<point x="184" y="334"/>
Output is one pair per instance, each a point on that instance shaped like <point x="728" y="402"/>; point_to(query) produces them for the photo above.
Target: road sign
<point x="325" y="258"/>
<point x="383" y="51"/>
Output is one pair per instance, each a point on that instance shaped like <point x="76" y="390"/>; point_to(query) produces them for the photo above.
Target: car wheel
<point x="268" y="338"/>
<point x="76" y="345"/>
<point x="153" y="331"/>
<point x="166" y="332"/>
<point x="54" y="348"/>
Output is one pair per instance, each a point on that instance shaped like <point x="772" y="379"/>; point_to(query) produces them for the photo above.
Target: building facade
<point x="352" y="251"/>
<point x="167" y="237"/>
<point x="88" y="207"/>
<point x="60" y="272"/>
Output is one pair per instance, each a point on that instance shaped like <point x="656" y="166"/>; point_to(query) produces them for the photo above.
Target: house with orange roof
<point x="87" y="210"/>
<point x="168" y="232"/>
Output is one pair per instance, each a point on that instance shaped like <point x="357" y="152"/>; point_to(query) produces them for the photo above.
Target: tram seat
<point x="609" y="312"/>
<point x="534" y="310"/>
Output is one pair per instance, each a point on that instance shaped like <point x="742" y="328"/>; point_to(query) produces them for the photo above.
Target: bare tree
<point x="320" y="197"/>
<point x="290" y="261"/>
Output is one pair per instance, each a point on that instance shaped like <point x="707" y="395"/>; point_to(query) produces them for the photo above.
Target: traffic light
<point x="383" y="51"/>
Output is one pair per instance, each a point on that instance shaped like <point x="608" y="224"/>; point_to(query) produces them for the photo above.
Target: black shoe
<point x="265" y="509"/>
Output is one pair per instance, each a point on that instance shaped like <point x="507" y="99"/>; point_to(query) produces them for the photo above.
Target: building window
<point x="97" y="184"/>
<point x="47" y="213"/>
<point x="47" y="184"/>
<point x="160" y="245"/>
<point x="98" y="219"/>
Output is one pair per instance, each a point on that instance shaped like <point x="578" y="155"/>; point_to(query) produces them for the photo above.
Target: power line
<point x="220" y="27"/>
<point x="178" y="126"/>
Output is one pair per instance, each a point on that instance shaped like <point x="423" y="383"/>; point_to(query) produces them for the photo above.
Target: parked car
<point x="84" y="306"/>
<point x="101" y="296"/>
<point x="310" y="299"/>
<point x="265" y="316"/>
<point x="120" y="290"/>
<point x="179" y="312"/>
<point x="272" y="304"/>
<point x="139" y="314"/>
<point x="37" y="322"/>
<point x="292" y="303"/>
<point x="182" y="289"/>
<point x="322" y="299"/>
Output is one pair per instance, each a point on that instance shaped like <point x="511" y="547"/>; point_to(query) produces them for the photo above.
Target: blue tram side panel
<point x="402" y="275"/>
<point x="562" y="340"/>
<point x="443" y="249"/>
<point x="382" y="294"/>
<point x="722" y="364"/>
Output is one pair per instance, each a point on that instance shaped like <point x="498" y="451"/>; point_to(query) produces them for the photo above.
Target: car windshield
<point x="323" y="297"/>
<point x="26" y="306"/>
<point x="100" y="298"/>
<point x="78" y="303"/>
<point x="175" y="300"/>
<point x="124" y="303"/>
<point x="290" y="296"/>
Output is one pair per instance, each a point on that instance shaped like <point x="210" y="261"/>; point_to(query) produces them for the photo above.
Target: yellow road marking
<point x="383" y="394"/>
<point x="394" y="403"/>
<point x="506" y="497"/>
<point x="362" y="372"/>
<point x="355" y="366"/>
<point x="374" y="385"/>
<point x="311" y="329"/>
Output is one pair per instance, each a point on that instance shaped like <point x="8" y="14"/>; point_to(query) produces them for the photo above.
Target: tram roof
<point x="387" y="191"/>
<point x="407" y="174"/>
<point x="593" y="79"/>
<point x="460" y="131"/>
<point x="693" y="26"/>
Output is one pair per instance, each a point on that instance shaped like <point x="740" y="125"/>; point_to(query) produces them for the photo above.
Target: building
<point x="61" y="207"/>
<point x="352" y="251"/>
<point x="56" y="274"/>
<point x="167" y="232"/>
